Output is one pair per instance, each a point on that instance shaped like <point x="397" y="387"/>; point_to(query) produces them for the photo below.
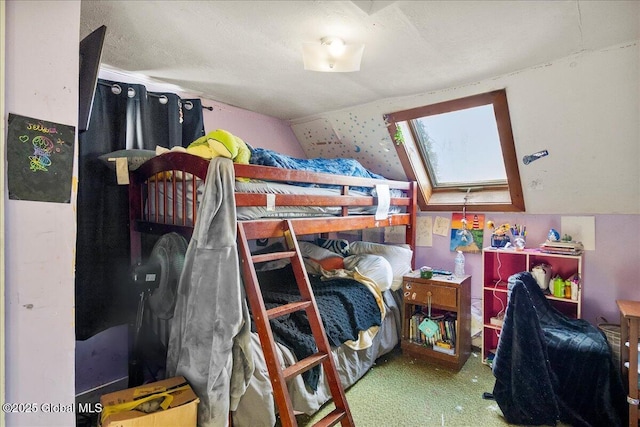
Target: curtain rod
<point x="117" y="89"/>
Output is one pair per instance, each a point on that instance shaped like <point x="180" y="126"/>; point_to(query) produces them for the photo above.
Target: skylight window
<point x="460" y="147"/>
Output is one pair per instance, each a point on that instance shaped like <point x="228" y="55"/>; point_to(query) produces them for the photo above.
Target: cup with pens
<point x="519" y="233"/>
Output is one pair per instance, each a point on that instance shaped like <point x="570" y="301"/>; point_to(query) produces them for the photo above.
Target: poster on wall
<point x="39" y="159"/>
<point x="467" y="232"/>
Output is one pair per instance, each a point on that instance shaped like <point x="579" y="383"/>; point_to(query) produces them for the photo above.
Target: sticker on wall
<point x="581" y="229"/>
<point x="362" y="136"/>
<point x="318" y="138"/>
<point x="40" y="159"/>
<point x="467" y="232"/>
<point x="395" y="234"/>
<point x="441" y="226"/>
<point x="535" y="156"/>
<point x="424" y="231"/>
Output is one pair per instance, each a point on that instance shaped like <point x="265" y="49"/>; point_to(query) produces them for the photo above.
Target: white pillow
<point x="309" y="250"/>
<point x="375" y="267"/>
<point x="398" y="256"/>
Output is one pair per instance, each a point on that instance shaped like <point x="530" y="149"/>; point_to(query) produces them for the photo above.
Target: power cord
<point x="501" y="312"/>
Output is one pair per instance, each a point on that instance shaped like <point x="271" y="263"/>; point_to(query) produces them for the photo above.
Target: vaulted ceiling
<point x="249" y="53"/>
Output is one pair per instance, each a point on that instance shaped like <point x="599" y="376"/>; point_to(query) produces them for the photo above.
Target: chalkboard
<point x="40" y="160"/>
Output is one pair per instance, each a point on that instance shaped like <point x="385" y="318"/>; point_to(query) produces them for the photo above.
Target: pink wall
<point x="611" y="271"/>
<point x="255" y="129"/>
<point x="41" y="44"/>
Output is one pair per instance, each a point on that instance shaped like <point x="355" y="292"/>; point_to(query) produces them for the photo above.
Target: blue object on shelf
<point x="499" y="240"/>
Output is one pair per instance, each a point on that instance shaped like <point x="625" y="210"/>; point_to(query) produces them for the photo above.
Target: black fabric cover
<point x="345" y="305"/>
<point x="102" y="242"/>
<point x="193" y="121"/>
<point x="549" y="367"/>
<point x="127" y="119"/>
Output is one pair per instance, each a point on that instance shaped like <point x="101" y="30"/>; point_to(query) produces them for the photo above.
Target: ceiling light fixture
<point x="332" y="55"/>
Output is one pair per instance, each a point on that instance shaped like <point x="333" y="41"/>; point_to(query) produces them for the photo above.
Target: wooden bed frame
<point x="171" y="170"/>
<point x="186" y="168"/>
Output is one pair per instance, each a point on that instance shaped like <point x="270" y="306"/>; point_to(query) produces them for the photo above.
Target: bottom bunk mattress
<point x="257" y="406"/>
<point x="356" y="343"/>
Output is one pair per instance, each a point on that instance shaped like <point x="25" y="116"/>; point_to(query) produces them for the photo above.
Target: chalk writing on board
<point x="40" y="160"/>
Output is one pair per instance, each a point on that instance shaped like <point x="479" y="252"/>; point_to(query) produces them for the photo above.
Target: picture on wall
<point x="39" y="159"/>
<point x="467" y="232"/>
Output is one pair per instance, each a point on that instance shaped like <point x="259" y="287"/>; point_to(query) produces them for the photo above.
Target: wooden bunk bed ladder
<point x="277" y="374"/>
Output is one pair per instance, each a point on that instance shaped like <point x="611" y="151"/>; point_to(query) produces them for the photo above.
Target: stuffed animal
<point x="220" y="143"/>
<point x="244" y="153"/>
<point x="500" y="231"/>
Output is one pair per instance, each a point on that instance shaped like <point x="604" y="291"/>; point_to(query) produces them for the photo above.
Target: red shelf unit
<point x="498" y="265"/>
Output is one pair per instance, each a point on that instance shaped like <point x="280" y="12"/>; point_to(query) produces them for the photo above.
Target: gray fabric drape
<point x="210" y="332"/>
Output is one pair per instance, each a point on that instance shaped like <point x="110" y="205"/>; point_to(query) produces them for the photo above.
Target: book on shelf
<point x="446" y="349"/>
<point x="562" y="248"/>
<point x="441" y="328"/>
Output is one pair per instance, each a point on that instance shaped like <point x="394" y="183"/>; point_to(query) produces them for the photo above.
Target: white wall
<point x="42" y="40"/>
<point x="584" y="109"/>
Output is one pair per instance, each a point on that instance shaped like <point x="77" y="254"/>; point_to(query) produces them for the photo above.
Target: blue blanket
<point x="347" y="167"/>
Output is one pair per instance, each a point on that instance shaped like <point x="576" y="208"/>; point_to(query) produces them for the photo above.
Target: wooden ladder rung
<point x="272" y="256"/>
<point x="333" y="418"/>
<point x="304" y="365"/>
<point x="289" y="308"/>
<point x="277" y="374"/>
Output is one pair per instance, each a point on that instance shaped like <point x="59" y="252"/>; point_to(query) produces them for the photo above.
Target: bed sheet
<point x="253" y="212"/>
<point x="257" y="407"/>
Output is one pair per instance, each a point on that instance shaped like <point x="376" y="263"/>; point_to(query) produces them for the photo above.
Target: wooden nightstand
<point x="450" y="297"/>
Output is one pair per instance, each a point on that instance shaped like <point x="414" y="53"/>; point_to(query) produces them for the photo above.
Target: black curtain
<point x="193" y="126"/>
<point x="123" y="116"/>
<point x="183" y="123"/>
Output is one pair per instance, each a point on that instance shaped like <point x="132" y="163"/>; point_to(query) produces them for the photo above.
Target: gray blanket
<point x="210" y="332"/>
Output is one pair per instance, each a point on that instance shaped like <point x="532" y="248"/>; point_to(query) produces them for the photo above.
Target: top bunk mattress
<point x="161" y="208"/>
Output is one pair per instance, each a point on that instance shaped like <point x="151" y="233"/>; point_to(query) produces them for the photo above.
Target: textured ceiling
<point x="249" y="53"/>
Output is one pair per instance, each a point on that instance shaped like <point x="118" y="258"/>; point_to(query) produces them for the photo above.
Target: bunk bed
<point x="164" y="197"/>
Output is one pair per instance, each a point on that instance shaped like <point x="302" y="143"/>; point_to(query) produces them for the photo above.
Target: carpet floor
<point x="403" y="391"/>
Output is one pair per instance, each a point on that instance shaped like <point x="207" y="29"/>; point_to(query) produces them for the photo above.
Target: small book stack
<point x="444" y="347"/>
<point x="562" y="248"/>
<point x="441" y="331"/>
